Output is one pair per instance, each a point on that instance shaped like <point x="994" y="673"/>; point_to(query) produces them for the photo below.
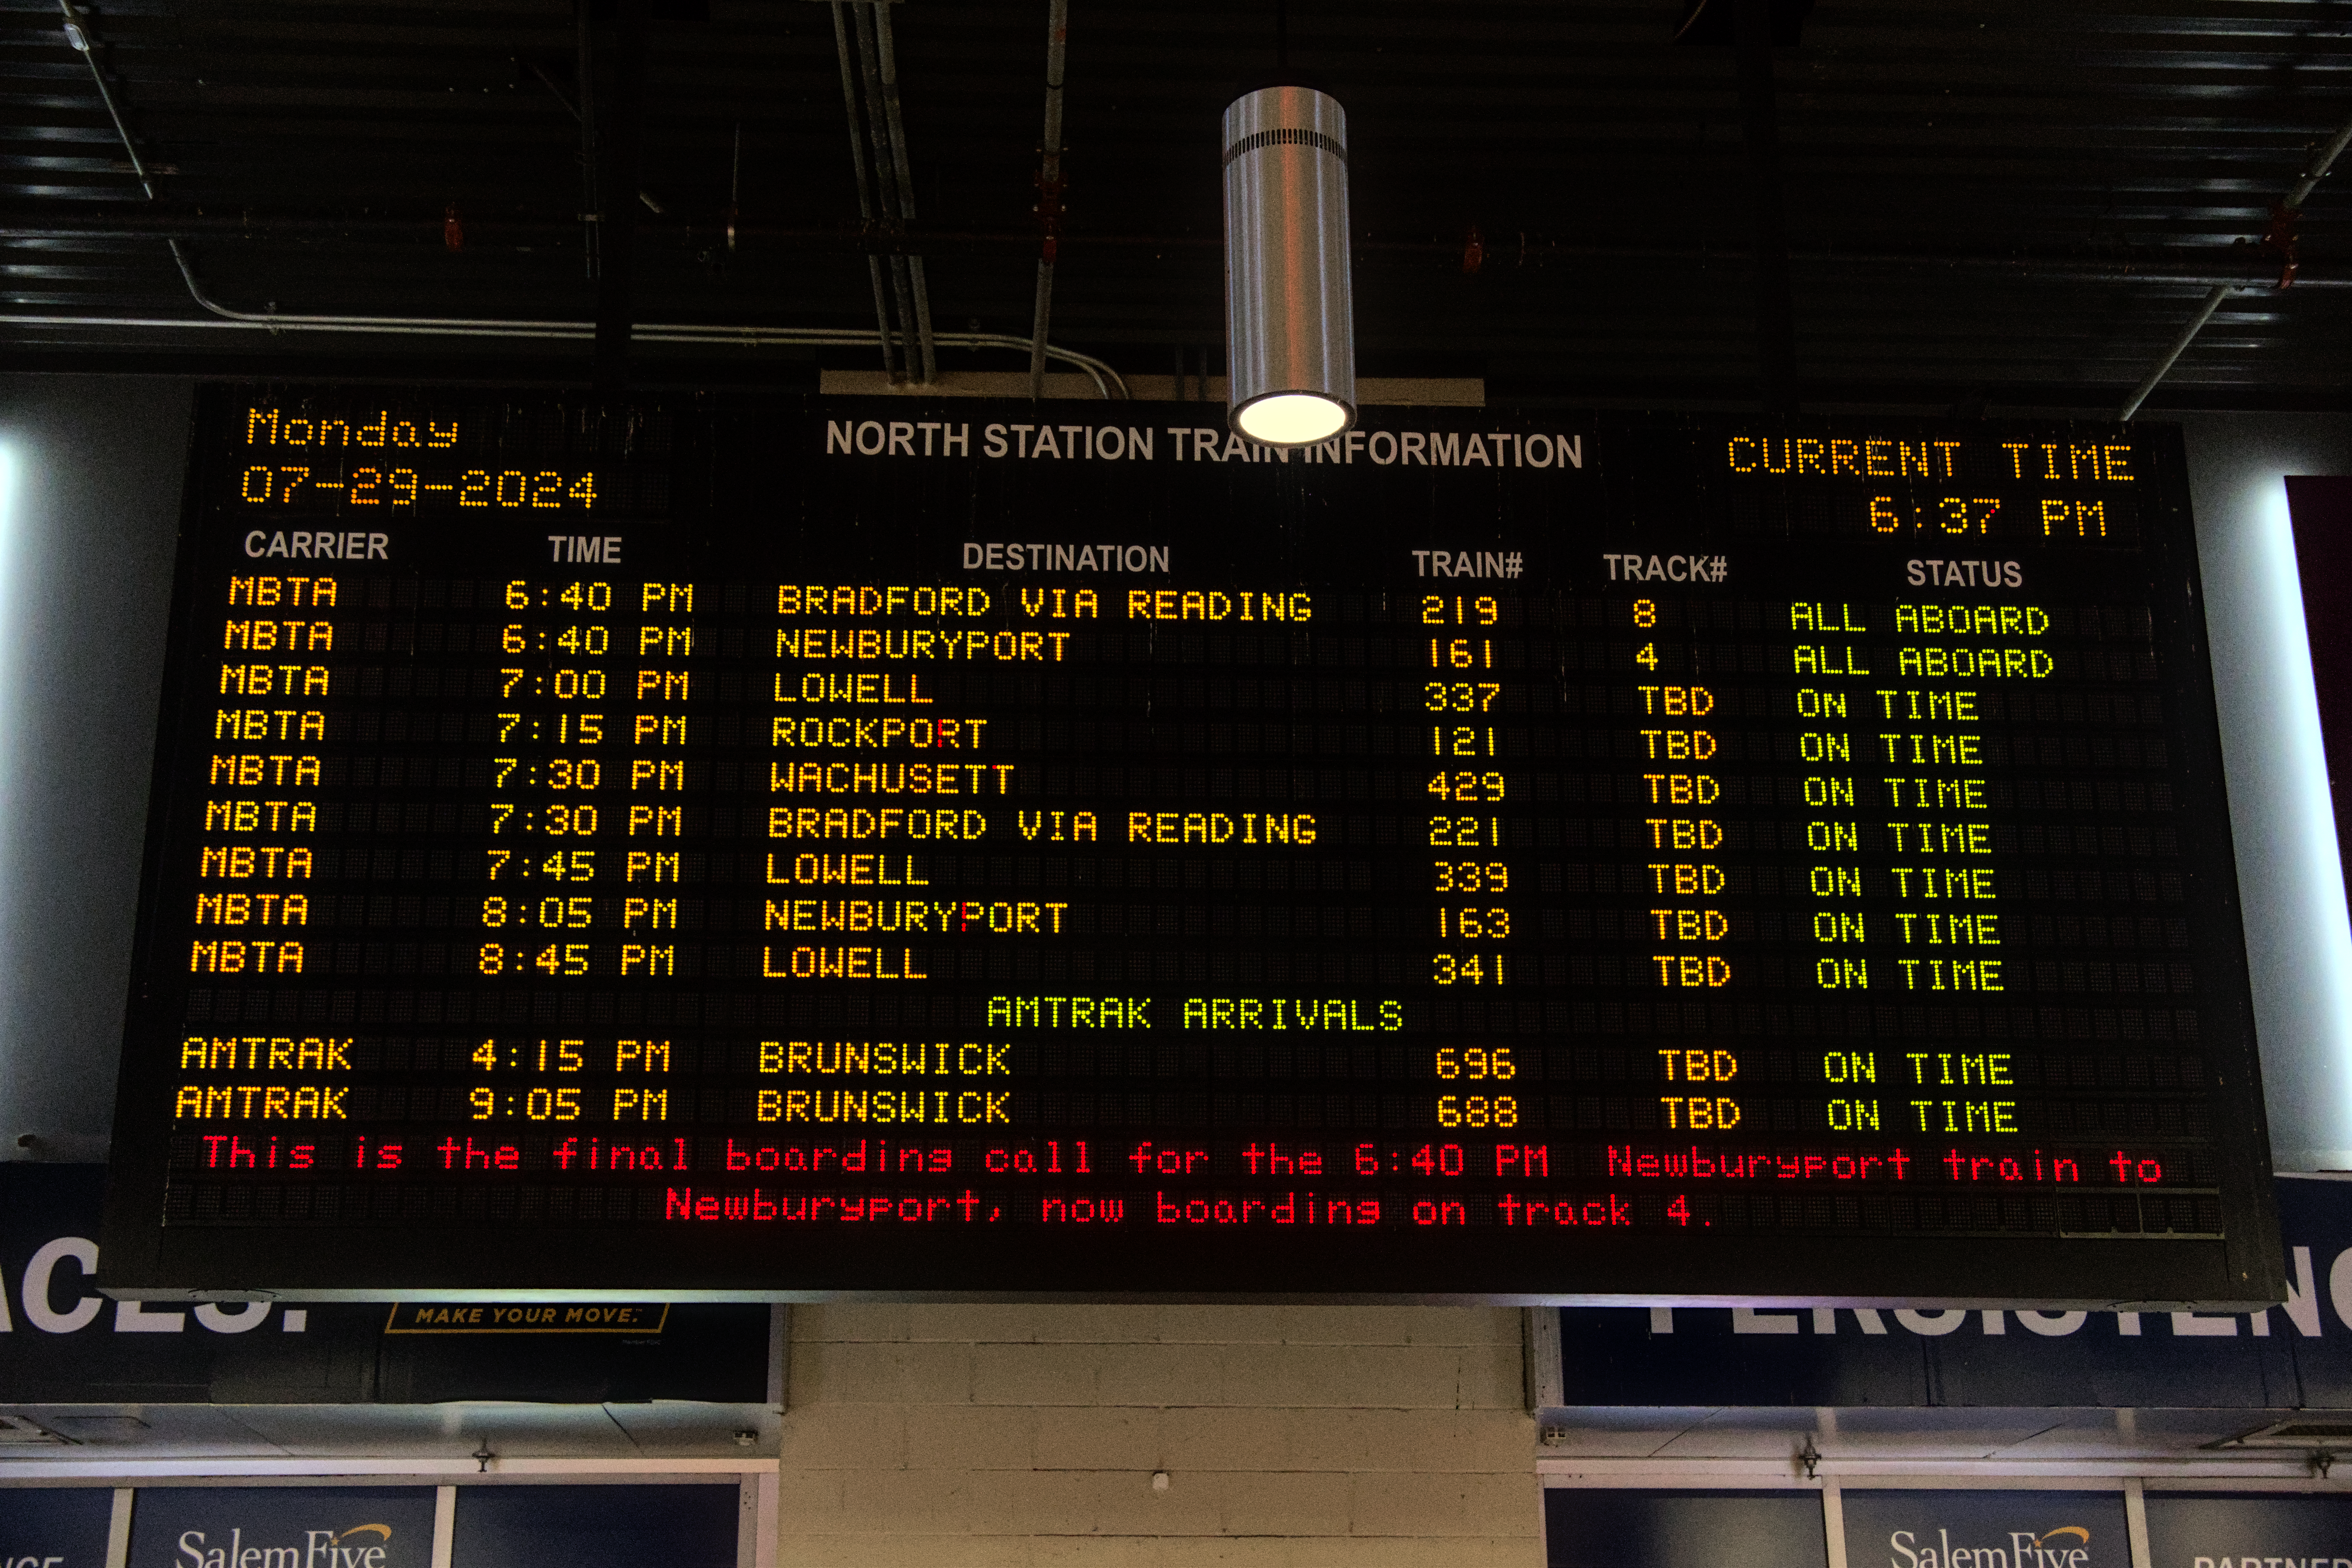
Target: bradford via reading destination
<point x="772" y="846"/>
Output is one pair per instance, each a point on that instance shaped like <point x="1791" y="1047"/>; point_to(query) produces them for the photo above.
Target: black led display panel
<point x="711" y="842"/>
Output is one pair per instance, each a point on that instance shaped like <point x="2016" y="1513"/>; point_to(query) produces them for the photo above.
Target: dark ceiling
<point x="1984" y="198"/>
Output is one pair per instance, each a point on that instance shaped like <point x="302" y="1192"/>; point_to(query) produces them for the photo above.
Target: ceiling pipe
<point x="864" y="190"/>
<point x="1049" y="188"/>
<point x="888" y="48"/>
<point x="84" y="39"/>
<point x="592" y="212"/>
<point x="1108" y="381"/>
<point x="735" y="189"/>
<point x="97" y="221"/>
<point x="644" y="197"/>
<point x="884" y="182"/>
<point x="81" y="37"/>
<point x="2282" y="219"/>
<point x="2188" y="335"/>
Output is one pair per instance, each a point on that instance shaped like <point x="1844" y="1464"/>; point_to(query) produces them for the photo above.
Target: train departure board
<point x="711" y="842"/>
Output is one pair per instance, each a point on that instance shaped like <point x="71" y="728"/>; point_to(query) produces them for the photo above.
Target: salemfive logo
<point x="2068" y="1546"/>
<point x="319" y="1548"/>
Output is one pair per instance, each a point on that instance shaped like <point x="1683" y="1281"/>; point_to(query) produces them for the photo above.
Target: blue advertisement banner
<point x="55" y="1527"/>
<point x="282" y="1527"/>
<point x="1985" y="1530"/>
<point x="63" y="1342"/>
<point x="1684" y="1530"/>
<point x="2248" y="1530"/>
<point x="683" y="1526"/>
<point x="2296" y="1357"/>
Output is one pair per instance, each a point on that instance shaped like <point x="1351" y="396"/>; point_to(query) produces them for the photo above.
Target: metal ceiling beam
<point x="96" y="222"/>
<point x="670" y="334"/>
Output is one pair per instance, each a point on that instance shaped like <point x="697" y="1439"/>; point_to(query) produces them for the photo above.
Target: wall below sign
<point x="1031" y="1434"/>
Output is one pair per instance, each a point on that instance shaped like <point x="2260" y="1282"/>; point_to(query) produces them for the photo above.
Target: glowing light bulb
<point x="1291" y="419"/>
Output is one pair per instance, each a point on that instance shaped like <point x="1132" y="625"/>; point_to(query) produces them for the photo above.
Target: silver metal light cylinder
<point x="1290" y="326"/>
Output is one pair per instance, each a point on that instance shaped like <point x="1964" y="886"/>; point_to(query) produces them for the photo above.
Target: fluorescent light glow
<point x="1291" y="419"/>
<point x="13" y="709"/>
<point x="12" y="621"/>
<point x="9" y="545"/>
<point x="2291" y="853"/>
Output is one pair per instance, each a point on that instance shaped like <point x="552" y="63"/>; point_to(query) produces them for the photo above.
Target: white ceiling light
<point x="1290" y="325"/>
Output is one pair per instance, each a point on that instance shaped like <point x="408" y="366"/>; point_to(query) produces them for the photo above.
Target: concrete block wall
<point x="1292" y="1436"/>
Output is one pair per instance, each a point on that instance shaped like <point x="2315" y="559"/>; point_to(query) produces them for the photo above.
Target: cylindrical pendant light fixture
<point x="1290" y="322"/>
